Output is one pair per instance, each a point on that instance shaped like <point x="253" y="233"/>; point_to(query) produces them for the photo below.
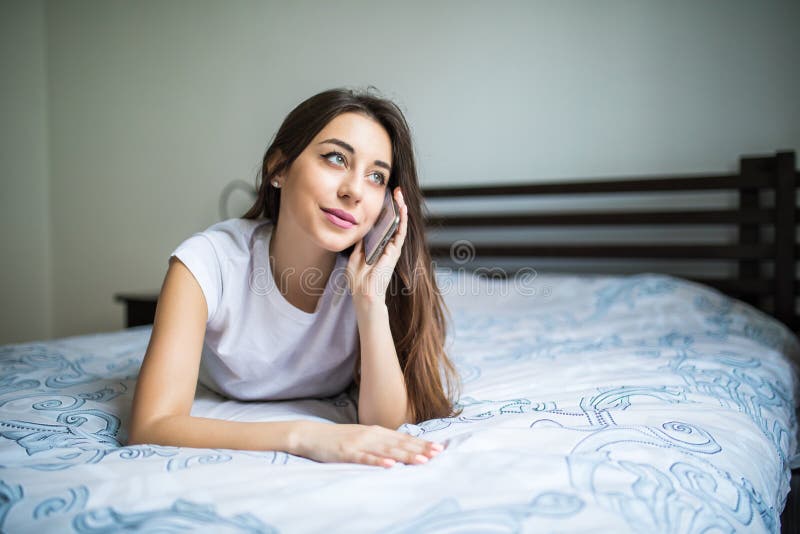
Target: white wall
<point x="26" y="262"/>
<point x="152" y="107"/>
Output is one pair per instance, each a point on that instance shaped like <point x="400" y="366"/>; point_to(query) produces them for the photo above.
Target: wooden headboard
<point x="765" y="187"/>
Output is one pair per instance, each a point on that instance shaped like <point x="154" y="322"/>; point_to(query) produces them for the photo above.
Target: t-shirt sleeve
<point x="201" y="258"/>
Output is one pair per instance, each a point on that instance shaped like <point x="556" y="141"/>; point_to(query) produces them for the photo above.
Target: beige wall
<point x="123" y="121"/>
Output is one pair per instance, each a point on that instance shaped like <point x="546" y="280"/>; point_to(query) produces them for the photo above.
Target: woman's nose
<point x="352" y="186"/>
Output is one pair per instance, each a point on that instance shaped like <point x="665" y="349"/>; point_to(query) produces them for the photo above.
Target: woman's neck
<point x="300" y="272"/>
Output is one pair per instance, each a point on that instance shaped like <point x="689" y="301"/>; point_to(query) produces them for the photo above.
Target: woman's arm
<point x="382" y="398"/>
<point x="201" y="432"/>
<point x="167" y="380"/>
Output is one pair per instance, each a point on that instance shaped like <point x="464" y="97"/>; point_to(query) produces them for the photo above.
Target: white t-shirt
<point x="257" y="345"/>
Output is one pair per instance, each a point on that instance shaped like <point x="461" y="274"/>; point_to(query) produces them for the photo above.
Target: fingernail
<point x="421" y="458"/>
<point x="438" y="446"/>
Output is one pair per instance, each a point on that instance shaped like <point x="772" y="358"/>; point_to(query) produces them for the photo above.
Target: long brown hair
<point x="415" y="305"/>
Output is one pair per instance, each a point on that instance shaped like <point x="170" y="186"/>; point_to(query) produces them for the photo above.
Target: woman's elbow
<point x="139" y="432"/>
<point x="135" y="437"/>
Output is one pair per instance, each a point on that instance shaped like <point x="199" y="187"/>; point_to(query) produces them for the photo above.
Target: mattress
<point x="639" y="403"/>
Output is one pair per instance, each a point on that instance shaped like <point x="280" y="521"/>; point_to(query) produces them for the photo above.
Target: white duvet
<point x="591" y="404"/>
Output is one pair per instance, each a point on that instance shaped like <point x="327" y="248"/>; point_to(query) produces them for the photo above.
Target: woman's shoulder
<point x="236" y="235"/>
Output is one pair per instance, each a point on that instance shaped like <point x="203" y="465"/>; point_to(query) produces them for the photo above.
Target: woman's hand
<point x="368" y="283"/>
<point x="361" y="444"/>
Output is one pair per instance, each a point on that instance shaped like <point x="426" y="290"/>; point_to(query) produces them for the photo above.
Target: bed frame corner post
<point x="785" y="238"/>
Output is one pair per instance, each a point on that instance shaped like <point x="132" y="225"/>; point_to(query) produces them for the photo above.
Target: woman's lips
<point x="338" y="221"/>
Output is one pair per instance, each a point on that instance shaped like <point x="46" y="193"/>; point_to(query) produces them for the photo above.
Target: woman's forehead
<point x="364" y="134"/>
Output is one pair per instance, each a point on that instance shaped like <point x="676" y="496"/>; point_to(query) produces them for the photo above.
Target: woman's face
<point x="345" y="167"/>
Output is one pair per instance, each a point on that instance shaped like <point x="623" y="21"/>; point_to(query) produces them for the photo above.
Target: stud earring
<point x="276" y="184"/>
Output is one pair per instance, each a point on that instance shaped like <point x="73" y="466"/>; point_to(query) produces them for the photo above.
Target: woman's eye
<point x="337" y="158"/>
<point x="381" y="179"/>
<point x="331" y="157"/>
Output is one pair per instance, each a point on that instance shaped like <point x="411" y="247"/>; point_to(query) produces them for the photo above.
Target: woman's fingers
<point x="409" y="449"/>
<point x="365" y="444"/>
<point x="384" y="447"/>
<point x="374" y="459"/>
<point x="358" y="252"/>
<point x="425" y="447"/>
<point x="400" y="235"/>
<point x="420" y="445"/>
<point x="409" y="456"/>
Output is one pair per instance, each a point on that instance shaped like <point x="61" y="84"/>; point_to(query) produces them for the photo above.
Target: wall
<point x="153" y="107"/>
<point x="26" y="262"/>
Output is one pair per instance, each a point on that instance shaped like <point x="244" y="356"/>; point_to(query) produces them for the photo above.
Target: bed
<point x="603" y="402"/>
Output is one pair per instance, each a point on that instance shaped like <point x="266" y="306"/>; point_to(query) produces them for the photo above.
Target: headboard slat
<point x="745" y="217"/>
<point x="636" y="185"/>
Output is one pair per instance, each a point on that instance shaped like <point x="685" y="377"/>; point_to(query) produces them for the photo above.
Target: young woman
<point x="281" y="304"/>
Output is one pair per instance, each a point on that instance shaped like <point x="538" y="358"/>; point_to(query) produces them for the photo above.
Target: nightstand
<point x="140" y="308"/>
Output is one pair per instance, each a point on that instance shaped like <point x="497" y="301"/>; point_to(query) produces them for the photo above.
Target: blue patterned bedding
<point x="639" y="403"/>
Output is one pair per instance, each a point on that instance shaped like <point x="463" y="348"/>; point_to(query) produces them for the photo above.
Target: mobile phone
<point x="385" y="227"/>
